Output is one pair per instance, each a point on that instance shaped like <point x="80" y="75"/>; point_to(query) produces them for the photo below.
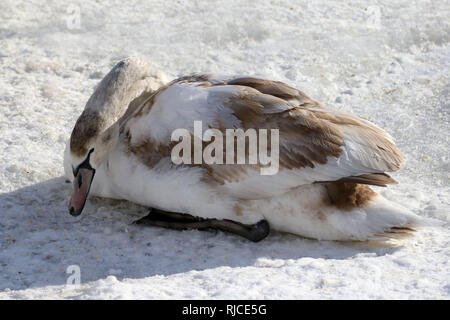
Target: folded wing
<point x="315" y="144"/>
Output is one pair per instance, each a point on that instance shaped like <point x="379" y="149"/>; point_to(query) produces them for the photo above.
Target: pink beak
<point x="81" y="186"/>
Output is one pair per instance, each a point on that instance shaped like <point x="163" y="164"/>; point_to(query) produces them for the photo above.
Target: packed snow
<point x="386" y="61"/>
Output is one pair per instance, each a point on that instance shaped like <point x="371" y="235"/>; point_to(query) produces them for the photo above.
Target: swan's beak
<point x="81" y="185"/>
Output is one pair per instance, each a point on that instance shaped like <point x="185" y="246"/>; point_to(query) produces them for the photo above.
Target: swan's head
<point x="87" y="150"/>
<point x="96" y="131"/>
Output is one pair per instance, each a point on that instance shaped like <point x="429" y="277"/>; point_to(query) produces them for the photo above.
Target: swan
<point x="122" y="146"/>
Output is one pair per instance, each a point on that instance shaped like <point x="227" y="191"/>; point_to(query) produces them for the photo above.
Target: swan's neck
<point x="115" y="92"/>
<point x="109" y="102"/>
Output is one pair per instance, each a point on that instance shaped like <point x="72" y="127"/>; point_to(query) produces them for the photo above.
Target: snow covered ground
<point x="387" y="61"/>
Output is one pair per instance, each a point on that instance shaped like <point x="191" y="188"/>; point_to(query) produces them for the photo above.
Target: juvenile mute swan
<point x="121" y="147"/>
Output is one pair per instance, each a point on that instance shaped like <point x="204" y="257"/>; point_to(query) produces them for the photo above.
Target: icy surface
<point x="387" y="61"/>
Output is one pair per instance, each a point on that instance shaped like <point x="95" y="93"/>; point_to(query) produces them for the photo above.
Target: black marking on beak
<point x="80" y="181"/>
<point x="85" y="164"/>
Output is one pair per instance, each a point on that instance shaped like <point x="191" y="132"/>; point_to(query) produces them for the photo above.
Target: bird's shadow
<point x="39" y="240"/>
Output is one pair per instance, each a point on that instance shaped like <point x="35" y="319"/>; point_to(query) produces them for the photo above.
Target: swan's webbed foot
<point x="180" y="221"/>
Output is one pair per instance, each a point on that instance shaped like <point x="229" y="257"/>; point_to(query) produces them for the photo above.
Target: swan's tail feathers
<point x="379" y="220"/>
<point x="394" y="233"/>
<point x="389" y="221"/>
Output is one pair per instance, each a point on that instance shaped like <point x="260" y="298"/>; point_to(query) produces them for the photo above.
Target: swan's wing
<point x="315" y="145"/>
<point x="274" y="88"/>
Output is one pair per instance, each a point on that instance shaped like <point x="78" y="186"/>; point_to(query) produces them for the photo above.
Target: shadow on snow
<point x="39" y="240"/>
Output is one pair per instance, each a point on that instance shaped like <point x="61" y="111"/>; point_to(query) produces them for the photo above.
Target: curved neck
<point x="117" y="89"/>
<point x="127" y="80"/>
